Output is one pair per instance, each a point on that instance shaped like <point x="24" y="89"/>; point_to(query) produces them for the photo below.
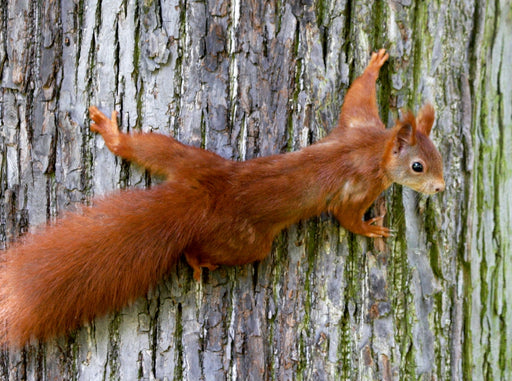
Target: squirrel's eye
<point x="417" y="166"/>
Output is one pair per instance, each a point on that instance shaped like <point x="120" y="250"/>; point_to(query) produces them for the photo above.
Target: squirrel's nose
<point x="439" y="187"/>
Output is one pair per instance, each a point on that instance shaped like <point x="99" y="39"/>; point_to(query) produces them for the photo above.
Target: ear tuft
<point x="405" y="132"/>
<point x="426" y="118"/>
<point x="405" y="136"/>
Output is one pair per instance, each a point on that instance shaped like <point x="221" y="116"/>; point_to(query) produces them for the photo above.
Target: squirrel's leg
<point x="360" y="104"/>
<point x="152" y="151"/>
<point x="159" y="153"/>
<point x="196" y="265"/>
<point x="353" y="221"/>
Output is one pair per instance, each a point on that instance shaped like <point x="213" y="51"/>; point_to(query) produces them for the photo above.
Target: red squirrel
<point x="213" y="210"/>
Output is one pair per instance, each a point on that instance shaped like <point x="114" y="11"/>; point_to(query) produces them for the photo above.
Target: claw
<point x="375" y="219"/>
<point x="376" y="231"/>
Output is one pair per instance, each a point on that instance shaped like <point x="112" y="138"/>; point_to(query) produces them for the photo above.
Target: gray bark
<point x="246" y="79"/>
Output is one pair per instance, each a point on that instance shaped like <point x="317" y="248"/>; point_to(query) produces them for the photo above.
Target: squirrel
<point x="212" y="210"/>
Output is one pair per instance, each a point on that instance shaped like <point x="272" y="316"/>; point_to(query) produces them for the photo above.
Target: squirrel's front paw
<point x="375" y="231"/>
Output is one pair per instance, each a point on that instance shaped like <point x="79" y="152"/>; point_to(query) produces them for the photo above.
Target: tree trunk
<point x="247" y="79"/>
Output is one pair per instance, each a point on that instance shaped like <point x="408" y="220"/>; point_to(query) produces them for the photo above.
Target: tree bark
<point x="247" y="79"/>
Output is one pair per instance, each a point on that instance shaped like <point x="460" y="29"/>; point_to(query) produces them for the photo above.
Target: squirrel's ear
<point x="404" y="137"/>
<point x="425" y="119"/>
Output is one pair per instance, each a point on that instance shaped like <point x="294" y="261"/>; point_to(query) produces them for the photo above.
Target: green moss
<point x="87" y="138"/>
<point x="431" y="229"/>
<point x="312" y="249"/>
<point x="421" y="37"/>
<point x="320" y="12"/>
<point x="78" y="26"/>
<point x="380" y="18"/>
<point x="467" y="348"/>
<point x="280" y="252"/>
<point x="346" y="368"/>
<point x="353" y="266"/>
<point x="136" y="63"/>
<point x="178" y="79"/>
<point x="441" y="335"/>
<point x="400" y="297"/>
<point x="203" y="130"/>
<point x="295" y="95"/>
<point x="302" y="364"/>
<point x="75" y="356"/>
<point x="488" y="257"/>
<point x="504" y="349"/>
<point x="352" y="297"/>
<point x="178" y="336"/>
<point x="113" y="349"/>
<point x="418" y="19"/>
<point x="279" y="15"/>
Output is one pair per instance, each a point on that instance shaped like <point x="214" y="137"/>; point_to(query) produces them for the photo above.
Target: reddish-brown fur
<point x="212" y="210"/>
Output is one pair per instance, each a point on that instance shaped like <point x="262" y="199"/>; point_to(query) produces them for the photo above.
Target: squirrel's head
<point x="411" y="158"/>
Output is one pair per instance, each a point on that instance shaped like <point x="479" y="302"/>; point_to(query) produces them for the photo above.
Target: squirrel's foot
<point x="210" y="266"/>
<point x="375" y="231"/>
<point x="376" y="61"/>
<point x="197" y="266"/>
<point x="108" y="128"/>
<point x="367" y="229"/>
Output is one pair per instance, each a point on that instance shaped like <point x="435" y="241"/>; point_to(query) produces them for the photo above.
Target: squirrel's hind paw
<point x="102" y="124"/>
<point x="377" y="60"/>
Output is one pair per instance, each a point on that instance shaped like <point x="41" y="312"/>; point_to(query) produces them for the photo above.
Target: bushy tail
<point x="90" y="263"/>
